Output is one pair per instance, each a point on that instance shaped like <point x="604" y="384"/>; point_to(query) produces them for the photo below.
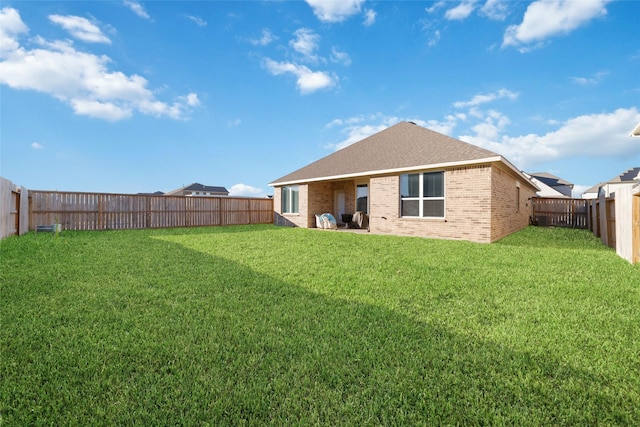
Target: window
<point x="422" y="195"/>
<point x="362" y="198"/>
<point x="290" y="199"/>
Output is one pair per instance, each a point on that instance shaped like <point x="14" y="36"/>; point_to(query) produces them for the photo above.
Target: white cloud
<point x="577" y="190"/>
<point x="340" y="57"/>
<point x="357" y="133"/>
<point x="80" y="79"/>
<point x="595" y="79"/>
<point x="80" y="28"/>
<point x="434" y="39"/>
<point x="548" y="18"/>
<point x="137" y="8"/>
<point x="199" y="21"/>
<point x="100" y="109"/>
<point x="11" y="26"/>
<point x="37" y="146"/>
<point x="436" y="6"/>
<point x="264" y="40"/>
<point x="305" y="43"/>
<point x="599" y="135"/>
<point x="234" y="123"/>
<point x="359" y="127"/>
<point x="596" y="135"/>
<point x="191" y="100"/>
<point x="495" y="9"/>
<point x="307" y="80"/>
<point x="445" y="126"/>
<point x="484" y="98"/>
<point x="369" y="17"/>
<point x="461" y="11"/>
<point x="335" y="11"/>
<point x="349" y="121"/>
<point x="243" y="190"/>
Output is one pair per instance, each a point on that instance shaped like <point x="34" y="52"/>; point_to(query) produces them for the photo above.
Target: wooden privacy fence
<point x="100" y="211"/>
<point x="14" y="209"/>
<point x="554" y="212"/>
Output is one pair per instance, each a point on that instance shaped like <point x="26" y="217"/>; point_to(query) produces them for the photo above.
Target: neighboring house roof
<point x="402" y="147"/>
<point x="198" y="187"/>
<point x="594" y="189"/>
<point x="544" y="189"/>
<point x="157" y="193"/>
<point x="550" y="179"/>
<point x="636" y="131"/>
<point x="628" y="176"/>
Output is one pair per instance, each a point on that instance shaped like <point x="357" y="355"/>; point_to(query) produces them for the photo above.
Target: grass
<point x="264" y="325"/>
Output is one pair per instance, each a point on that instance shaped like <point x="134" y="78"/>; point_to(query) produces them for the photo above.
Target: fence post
<point x="23" y="212"/>
<point x="220" y="211"/>
<point x="635" y="224"/>
<point x="99" y="219"/>
<point x="603" y="219"/>
<point x="147" y="217"/>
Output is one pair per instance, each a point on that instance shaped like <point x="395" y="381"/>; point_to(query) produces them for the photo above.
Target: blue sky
<point x="128" y="96"/>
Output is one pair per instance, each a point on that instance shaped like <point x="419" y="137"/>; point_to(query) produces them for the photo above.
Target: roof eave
<point x="406" y="169"/>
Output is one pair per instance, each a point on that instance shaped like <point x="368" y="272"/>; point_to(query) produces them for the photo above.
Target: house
<point x="551" y="185"/>
<point x="199" y="190"/>
<point x="630" y="177"/>
<point x="411" y="181"/>
<point x="155" y="193"/>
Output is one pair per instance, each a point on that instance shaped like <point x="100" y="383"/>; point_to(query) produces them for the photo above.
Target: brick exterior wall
<point x="510" y="207"/>
<point x="291" y="219"/>
<point x="320" y="201"/>
<point x="481" y="205"/>
<point x="467" y="207"/>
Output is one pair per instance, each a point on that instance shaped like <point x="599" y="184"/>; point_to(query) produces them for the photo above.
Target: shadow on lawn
<point x="227" y="345"/>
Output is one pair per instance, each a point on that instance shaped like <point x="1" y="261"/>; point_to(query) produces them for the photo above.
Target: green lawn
<point x="265" y="325"/>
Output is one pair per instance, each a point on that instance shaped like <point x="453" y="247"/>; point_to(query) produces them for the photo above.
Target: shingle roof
<point x="550" y="179"/>
<point x="627" y="176"/>
<point x="399" y="147"/>
<point x="199" y="187"/>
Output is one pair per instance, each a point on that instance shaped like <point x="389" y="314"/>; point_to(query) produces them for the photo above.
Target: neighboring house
<point x="156" y="193"/>
<point x="411" y="181"/>
<point x="636" y="131"/>
<point x="551" y="185"/>
<point x="629" y="177"/>
<point x="592" y="193"/>
<point x="199" y="190"/>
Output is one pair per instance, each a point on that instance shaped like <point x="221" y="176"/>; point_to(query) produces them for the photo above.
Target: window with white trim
<point x="422" y="195"/>
<point x="362" y="198"/>
<point x="290" y="199"/>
